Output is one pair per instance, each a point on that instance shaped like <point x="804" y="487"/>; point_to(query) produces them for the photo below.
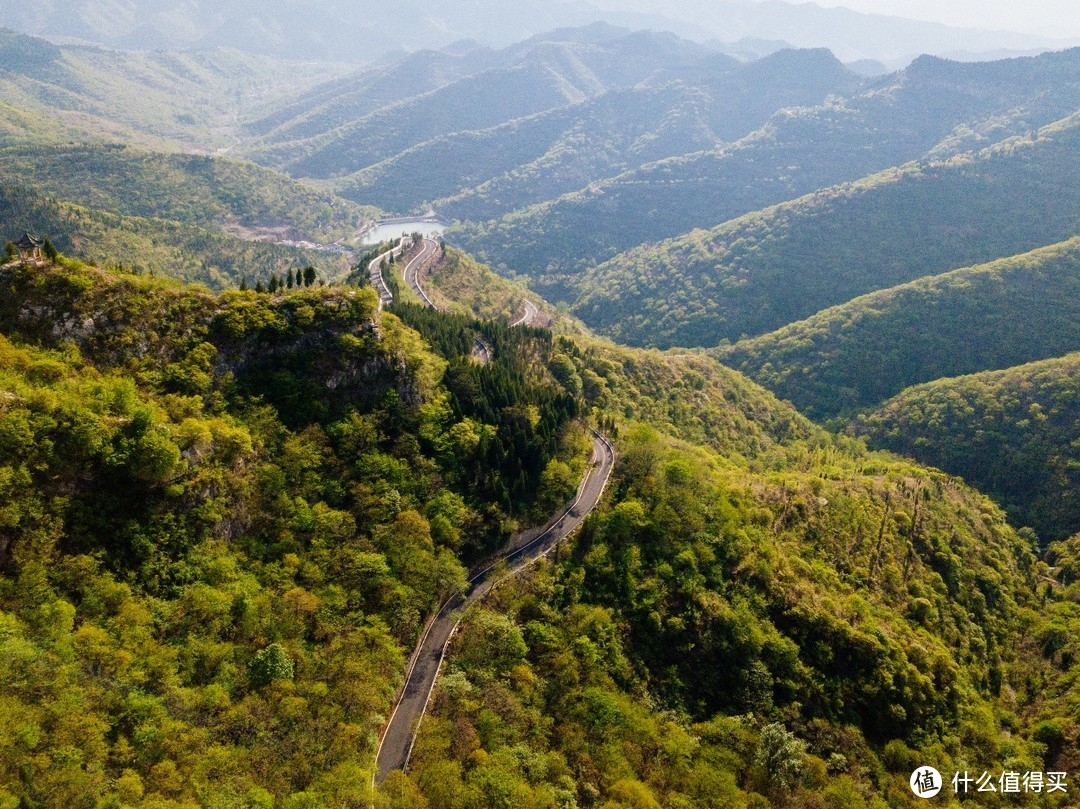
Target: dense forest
<point x="238" y="509"/>
<point x="224" y="519"/>
<point x="858" y="354"/>
<point x="157" y="246"/>
<point x="764" y="270"/>
<point x="1013" y="433"/>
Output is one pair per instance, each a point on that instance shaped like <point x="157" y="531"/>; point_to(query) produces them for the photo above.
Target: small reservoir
<point x="394" y="228"/>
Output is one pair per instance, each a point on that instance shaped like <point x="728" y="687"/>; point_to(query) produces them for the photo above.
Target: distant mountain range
<point x="360" y="32"/>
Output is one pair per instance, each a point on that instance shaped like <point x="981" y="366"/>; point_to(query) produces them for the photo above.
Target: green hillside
<point x="809" y="632"/>
<point x="226" y="517"/>
<point x="459" y="283"/>
<point x="580" y="61"/>
<point x="193" y="189"/>
<point x="764" y="270"/>
<point x="933" y="105"/>
<point x="475" y="102"/>
<point x="858" y="354"/>
<point x="183" y="99"/>
<point x="1015" y="434"/>
<point x="226" y="510"/>
<point x="482" y="173"/>
<point x="157" y="246"/>
<point x="680" y="109"/>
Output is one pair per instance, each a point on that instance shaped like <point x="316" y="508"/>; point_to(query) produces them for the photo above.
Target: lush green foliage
<point x="459" y="283"/>
<point x="193" y="189"/>
<point x="156" y="246"/>
<point x="514" y="393"/>
<point x="858" y="354"/>
<point x="767" y="269"/>
<point x="719" y="638"/>
<point x="933" y="104"/>
<point x="223" y="517"/>
<point x="1014" y="434"/>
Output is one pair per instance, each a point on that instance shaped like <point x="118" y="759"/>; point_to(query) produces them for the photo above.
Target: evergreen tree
<point x="10" y="251"/>
<point x="272" y="663"/>
<point x="51" y="253"/>
<point x="309" y="275"/>
<point x="243" y="284"/>
<point x="259" y="286"/>
<point x="289" y="279"/>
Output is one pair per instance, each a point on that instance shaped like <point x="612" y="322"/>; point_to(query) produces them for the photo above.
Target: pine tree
<point x="289" y="279"/>
<point x="243" y="284"/>
<point x="51" y="253"/>
<point x="259" y="286"/>
<point x="309" y="275"/>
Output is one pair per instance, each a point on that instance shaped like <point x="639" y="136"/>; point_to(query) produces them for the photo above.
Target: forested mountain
<point x="193" y="189"/>
<point x="352" y="130"/>
<point x="159" y="99"/>
<point x="858" y="354"/>
<point x="159" y="246"/>
<point x="1013" y="433"/>
<point x="932" y="106"/>
<point x="227" y="515"/>
<point x="264" y="495"/>
<point x="693" y="108"/>
<point x="766" y="269"/>
<point x="610" y="54"/>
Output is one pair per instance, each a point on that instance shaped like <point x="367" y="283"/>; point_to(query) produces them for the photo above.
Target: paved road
<point x="377" y="281"/>
<point x="482" y="352"/>
<point x="428" y="248"/>
<point x="530" y="314"/>
<point x="397" y="741"/>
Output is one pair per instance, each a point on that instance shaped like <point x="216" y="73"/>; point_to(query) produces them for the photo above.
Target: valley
<point x="585" y="417"/>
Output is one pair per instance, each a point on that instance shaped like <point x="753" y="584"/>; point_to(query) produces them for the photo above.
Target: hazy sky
<point x="1054" y="18"/>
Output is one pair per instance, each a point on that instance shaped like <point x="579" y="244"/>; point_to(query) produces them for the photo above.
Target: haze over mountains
<point x="360" y="32"/>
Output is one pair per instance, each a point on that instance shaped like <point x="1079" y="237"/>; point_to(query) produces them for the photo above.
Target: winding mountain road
<point x="377" y="280"/>
<point x="530" y="314"/>
<point x="427" y="249"/>
<point x="397" y="741"/>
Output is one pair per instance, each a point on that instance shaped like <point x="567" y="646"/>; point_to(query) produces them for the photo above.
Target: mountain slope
<point x="151" y="433"/>
<point x="858" y="354"/>
<point x="766" y="269"/>
<point x="932" y="103"/>
<point x="694" y="105"/>
<point x="340" y="138"/>
<point x="187" y="100"/>
<point x="226" y="515"/>
<point x="194" y="189"/>
<point x="488" y="172"/>
<point x="157" y="246"/>
<point x="1013" y="433"/>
